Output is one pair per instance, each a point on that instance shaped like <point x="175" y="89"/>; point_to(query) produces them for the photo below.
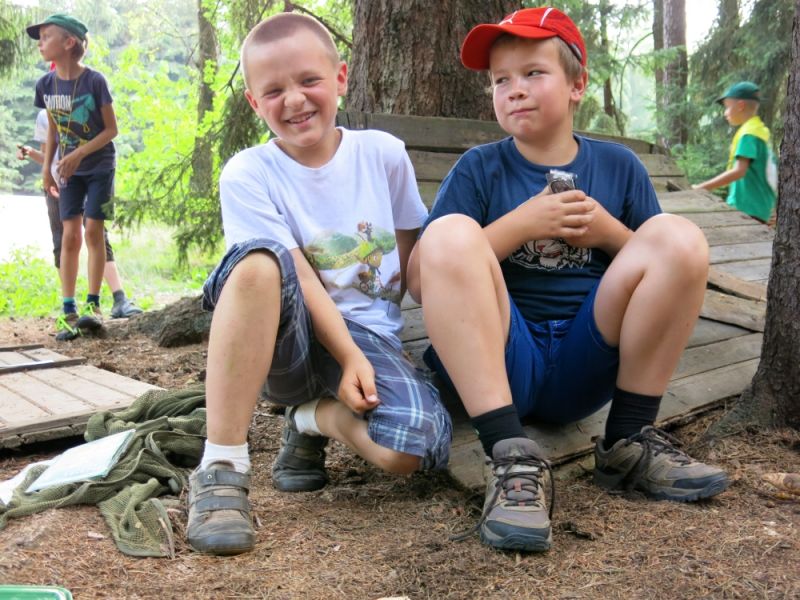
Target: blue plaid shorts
<point x="410" y="417"/>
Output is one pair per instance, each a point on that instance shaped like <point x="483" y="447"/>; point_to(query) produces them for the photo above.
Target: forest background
<point x="173" y="71"/>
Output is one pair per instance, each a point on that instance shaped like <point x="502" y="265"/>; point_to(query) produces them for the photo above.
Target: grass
<point x="147" y="262"/>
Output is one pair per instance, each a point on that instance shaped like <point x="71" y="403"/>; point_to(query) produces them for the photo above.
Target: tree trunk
<point x="406" y="57"/>
<point x="773" y="397"/>
<point x="201" y="183"/>
<point x="675" y="72"/>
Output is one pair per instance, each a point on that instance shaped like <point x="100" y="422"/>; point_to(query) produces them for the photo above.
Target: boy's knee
<point x="450" y="236"/>
<point x="680" y="241"/>
<point x="399" y="463"/>
<point x="256" y="272"/>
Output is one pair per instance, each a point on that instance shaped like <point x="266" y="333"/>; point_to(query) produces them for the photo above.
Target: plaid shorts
<point x="410" y="417"/>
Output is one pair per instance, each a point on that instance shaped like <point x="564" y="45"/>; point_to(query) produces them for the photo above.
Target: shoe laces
<point x="88" y="310"/>
<point x="63" y="325"/>
<point x="504" y="484"/>
<point x="653" y="441"/>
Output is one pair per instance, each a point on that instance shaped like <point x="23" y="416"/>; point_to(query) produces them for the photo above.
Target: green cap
<point x="743" y="90"/>
<point x="67" y="22"/>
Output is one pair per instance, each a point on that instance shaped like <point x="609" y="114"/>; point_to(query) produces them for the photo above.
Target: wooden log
<point x="743" y="312"/>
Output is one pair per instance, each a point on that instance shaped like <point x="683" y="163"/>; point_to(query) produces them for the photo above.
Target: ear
<point x="341" y="79"/>
<point x="579" y="87"/>
<point x="251" y="100"/>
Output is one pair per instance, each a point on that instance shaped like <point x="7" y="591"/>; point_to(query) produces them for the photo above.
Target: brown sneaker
<point x="515" y="514"/>
<point x="650" y="462"/>
<point x="219" y="512"/>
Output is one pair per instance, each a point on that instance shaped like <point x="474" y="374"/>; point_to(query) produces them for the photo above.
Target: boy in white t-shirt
<point x="319" y="224"/>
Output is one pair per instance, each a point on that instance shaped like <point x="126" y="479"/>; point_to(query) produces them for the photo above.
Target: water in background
<point x="23" y="222"/>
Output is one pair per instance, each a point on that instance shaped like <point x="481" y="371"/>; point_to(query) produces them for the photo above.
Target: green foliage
<point x="28" y="285"/>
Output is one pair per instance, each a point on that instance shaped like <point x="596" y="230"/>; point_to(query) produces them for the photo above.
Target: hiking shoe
<point x="650" y="462"/>
<point x="67" y="326"/>
<point x="91" y="319"/>
<point x="300" y="464"/>
<point x="124" y="309"/>
<point x="219" y="512"/>
<point x="515" y="515"/>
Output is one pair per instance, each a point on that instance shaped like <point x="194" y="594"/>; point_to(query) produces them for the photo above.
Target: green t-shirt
<point x="752" y="193"/>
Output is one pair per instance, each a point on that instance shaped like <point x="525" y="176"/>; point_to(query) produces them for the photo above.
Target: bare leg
<point x="466" y="310"/>
<point x="649" y="300"/>
<point x="335" y="420"/>
<point x="240" y="346"/>
<point x="111" y="275"/>
<point x="70" y="251"/>
<point x="97" y="253"/>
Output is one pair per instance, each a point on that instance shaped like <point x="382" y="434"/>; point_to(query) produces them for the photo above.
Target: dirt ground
<point x="369" y="535"/>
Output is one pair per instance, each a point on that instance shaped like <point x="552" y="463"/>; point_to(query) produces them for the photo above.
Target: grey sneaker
<point x="650" y="462"/>
<point x="124" y="309"/>
<point x="300" y="464"/>
<point x="515" y="514"/>
<point x="91" y="319"/>
<point x="67" y="326"/>
<point x="219" y="512"/>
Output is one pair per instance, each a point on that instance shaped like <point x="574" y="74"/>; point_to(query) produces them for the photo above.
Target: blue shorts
<point x="410" y="417"/>
<point x="87" y="195"/>
<point x="559" y="371"/>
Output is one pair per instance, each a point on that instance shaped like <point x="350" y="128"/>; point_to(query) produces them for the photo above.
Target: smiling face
<point x="531" y="92"/>
<point x="294" y="85"/>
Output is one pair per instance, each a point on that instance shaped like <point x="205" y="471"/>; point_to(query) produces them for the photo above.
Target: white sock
<point x="305" y="417"/>
<point x="237" y="455"/>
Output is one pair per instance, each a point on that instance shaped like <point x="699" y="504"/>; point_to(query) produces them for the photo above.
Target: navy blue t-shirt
<point x="75" y="108"/>
<point x="547" y="279"/>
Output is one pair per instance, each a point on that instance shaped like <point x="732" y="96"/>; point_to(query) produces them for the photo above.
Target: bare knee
<point x="679" y="243"/>
<point x="71" y="236"/>
<point x="398" y="463"/>
<point x="449" y="240"/>
<point x="93" y="234"/>
<point x="257" y="272"/>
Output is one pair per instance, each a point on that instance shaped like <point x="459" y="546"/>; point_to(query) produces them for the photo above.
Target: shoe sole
<point x="524" y="542"/>
<point x="672" y="494"/>
<point x="298" y="486"/>
<point x="211" y="546"/>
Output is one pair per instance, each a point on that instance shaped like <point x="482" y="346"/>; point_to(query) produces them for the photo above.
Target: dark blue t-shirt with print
<point x="547" y="279"/>
<point x="75" y="107"/>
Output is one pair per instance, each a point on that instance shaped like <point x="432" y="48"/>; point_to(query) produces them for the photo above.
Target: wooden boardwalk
<point x="45" y="395"/>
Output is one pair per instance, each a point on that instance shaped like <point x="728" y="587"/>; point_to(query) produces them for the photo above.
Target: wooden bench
<point x="724" y="349"/>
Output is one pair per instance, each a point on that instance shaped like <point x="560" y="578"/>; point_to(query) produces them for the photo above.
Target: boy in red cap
<point x="546" y="302"/>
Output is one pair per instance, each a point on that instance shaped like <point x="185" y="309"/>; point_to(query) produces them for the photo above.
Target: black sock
<point x="496" y="425"/>
<point x="119" y="296"/>
<point x="629" y="413"/>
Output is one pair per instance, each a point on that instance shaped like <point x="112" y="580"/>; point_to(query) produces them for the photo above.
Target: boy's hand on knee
<point x="357" y="386"/>
<point x="567" y="214"/>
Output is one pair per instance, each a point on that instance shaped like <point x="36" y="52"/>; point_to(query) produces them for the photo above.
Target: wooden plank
<point x="718" y="354"/>
<point x="432" y="166"/>
<point x="745" y="313"/>
<point x="94" y="395"/>
<point x="13" y="358"/>
<point x="427" y="190"/>
<point x="711" y="220"/>
<point x="739" y="234"/>
<point x="110" y="380"/>
<point x="748" y="270"/>
<point x="692" y="201"/>
<point x="51" y="400"/>
<point x="708" y="332"/>
<point x="735" y="252"/>
<point x="41" y="364"/>
<point x="730" y="284"/>
<point x="669" y="183"/>
<point x="20" y="347"/>
<point x="14" y="408"/>
<point x="661" y="165"/>
<point x="688" y="395"/>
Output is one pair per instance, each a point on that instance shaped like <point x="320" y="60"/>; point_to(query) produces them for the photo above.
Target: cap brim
<point x="478" y="43"/>
<point x="33" y="30"/>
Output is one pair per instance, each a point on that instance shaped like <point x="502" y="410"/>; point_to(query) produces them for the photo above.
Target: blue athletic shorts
<point x="87" y="195"/>
<point x="559" y="371"/>
<point x="410" y="417"/>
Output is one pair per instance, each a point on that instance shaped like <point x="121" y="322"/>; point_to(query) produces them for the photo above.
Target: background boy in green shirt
<point x="751" y="172"/>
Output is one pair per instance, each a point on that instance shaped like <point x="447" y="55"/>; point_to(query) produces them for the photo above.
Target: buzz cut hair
<point x="283" y="25"/>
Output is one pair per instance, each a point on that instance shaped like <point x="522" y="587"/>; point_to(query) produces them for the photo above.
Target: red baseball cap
<point x="532" y="23"/>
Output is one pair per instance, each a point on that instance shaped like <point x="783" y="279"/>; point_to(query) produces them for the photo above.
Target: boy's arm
<point x="406" y="239"/>
<point x="35" y="155"/>
<point x="357" y="386"/>
<point x="737" y="172"/>
<point x="69" y="163"/>
<point x="412" y="274"/>
<point x="49" y="152"/>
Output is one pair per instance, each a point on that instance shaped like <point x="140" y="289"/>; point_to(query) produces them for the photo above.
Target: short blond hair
<point x="79" y="49"/>
<point x="283" y="25"/>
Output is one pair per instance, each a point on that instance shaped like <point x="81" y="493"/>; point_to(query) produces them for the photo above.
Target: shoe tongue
<point x="516" y="447"/>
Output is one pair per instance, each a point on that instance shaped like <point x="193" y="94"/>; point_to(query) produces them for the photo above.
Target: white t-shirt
<point x="40" y="135"/>
<point x="342" y="215"/>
